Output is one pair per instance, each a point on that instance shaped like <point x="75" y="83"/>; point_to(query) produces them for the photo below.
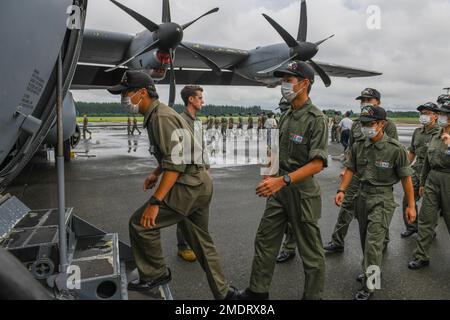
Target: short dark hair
<point x="189" y="91"/>
<point x="152" y="94"/>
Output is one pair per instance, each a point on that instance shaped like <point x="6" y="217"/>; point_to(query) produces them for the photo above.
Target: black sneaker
<point x="247" y="294"/>
<point x="232" y="293"/>
<point x="141" y="286"/>
<point x="363" y="295"/>
<point x="285" y="256"/>
<point x="331" y="248"/>
<point x="418" y="264"/>
<point x="408" y="232"/>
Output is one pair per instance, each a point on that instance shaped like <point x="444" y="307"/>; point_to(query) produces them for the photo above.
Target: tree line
<point x="113" y="109"/>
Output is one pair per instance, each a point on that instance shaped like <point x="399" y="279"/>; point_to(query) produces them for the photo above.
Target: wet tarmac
<point x="104" y="185"/>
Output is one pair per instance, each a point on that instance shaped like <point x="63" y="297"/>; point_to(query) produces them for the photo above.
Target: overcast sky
<point x="411" y="49"/>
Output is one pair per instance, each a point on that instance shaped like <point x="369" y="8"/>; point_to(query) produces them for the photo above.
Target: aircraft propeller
<point x="300" y="48"/>
<point x="168" y="36"/>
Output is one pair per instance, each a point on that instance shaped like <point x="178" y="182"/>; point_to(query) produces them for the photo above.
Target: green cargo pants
<point x="289" y="243"/>
<point x="374" y="209"/>
<point x="147" y="251"/>
<point x="416" y="185"/>
<point x="347" y="213"/>
<point x="303" y="214"/>
<point x="436" y="199"/>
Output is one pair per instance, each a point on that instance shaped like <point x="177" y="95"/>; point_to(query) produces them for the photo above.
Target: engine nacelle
<point x="69" y="121"/>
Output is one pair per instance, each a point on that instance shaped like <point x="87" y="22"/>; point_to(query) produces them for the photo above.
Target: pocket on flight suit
<point x="384" y="170"/>
<point x="298" y="147"/>
<point x="184" y="193"/>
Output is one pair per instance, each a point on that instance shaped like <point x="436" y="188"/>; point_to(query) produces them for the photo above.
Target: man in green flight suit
<point x="293" y="195"/>
<point x="435" y="189"/>
<point x="418" y="151"/>
<point x="369" y="96"/>
<point x="380" y="162"/>
<point x="183" y="195"/>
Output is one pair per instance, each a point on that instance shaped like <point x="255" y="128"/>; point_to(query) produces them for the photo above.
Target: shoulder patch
<point x="316" y="111"/>
<point x="394" y="142"/>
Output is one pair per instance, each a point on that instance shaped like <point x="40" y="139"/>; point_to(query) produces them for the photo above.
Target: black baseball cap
<point x="372" y="113"/>
<point x="133" y="80"/>
<point x="442" y="98"/>
<point x="445" y="107"/>
<point x="369" y="93"/>
<point x="428" y="106"/>
<point x="297" y="69"/>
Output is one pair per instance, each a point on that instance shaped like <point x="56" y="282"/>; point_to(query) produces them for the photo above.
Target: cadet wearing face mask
<point x="417" y="153"/>
<point x="370" y="97"/>
<point x="380" y="162"/>
<point x="183" y="195"/>
<point x="293" y="195"/>
<point x="435" y="189"/>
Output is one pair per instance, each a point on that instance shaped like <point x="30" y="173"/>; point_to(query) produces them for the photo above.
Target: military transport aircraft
<point x="48" y="53"/>
<point x="95" y="59"/>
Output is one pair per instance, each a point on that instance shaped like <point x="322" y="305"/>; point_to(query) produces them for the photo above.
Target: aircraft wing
<point x="95" y="77"/>
<point x="224" y="57"/>
<point x="334" y="70"/>
<point x="104" y="47"/>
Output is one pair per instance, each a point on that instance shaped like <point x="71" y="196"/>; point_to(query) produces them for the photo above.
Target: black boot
<point x="247" y="294"/>
<point x="418" y="264"/>
<point x="285" y="256"/>
<point x="332" y="248"/>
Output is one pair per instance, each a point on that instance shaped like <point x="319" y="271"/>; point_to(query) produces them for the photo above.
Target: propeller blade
<point x="148" y="24"/>
<point x="205" y="59"/>
<point x="173" y="84"/>
<point x="278" y="65"/>
<point x="144" y="50"/>
<point x="318" y="43"/>
<point x="209" y="12"/>
<point x="303" y="25"/>
<point x="323" y="75"/>
<point x="290" y="41"/>
<point x="166" y="12"/>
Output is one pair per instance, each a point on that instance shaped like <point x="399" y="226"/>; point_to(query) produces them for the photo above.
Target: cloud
<point x="412" y="48"/>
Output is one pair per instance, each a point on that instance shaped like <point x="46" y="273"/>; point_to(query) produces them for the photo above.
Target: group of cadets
<point x="375" y="162"/>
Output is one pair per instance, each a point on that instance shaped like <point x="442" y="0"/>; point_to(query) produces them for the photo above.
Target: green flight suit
<point x="435" y="178"/>
<point x="216" y="123"/>
<point x="224" y="123"/>
<point x="230" y="123"/>
<point x="187" y="203"/>
<point x="335" y="134"/>
<point x="346" y="212"/>
<point x="419" y="144"/>
<point x="303" y="137"/>
<point x="379" y="166"/>
<point x="210" y="123"/>
<point x="250" y="123"/>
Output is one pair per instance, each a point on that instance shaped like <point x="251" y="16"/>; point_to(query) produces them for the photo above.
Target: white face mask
<point x="287" y="91"/>
<point x="369" y="132"/>
<point x="130" y="106"/>
<point x="365" y="104"/>
<point x="443" y="121"/>
<point x="425" y="119"/>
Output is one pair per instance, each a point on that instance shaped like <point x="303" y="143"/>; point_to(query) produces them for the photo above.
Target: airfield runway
<point x="104" y="185"/>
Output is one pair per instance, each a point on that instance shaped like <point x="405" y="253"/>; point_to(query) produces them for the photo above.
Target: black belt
<point x="367" y="187"/>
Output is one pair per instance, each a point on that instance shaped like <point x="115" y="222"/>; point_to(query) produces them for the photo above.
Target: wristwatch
<point x="340" y="190"/>
<point x="287" y="179"/>
<point x="154" y="201"/>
